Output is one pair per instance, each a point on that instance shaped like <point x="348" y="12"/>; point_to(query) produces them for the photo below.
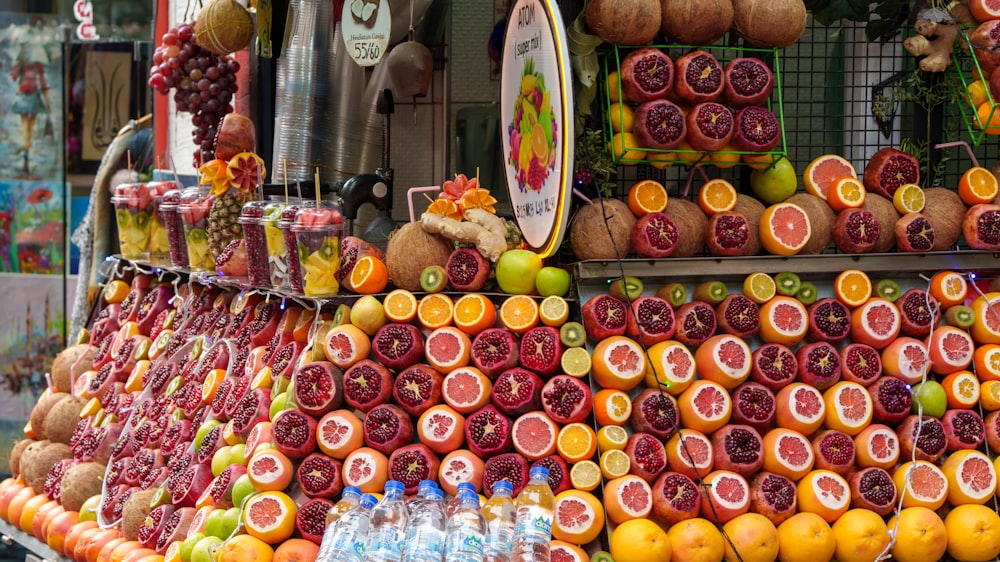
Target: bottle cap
<point x="352" y="491"/>
<point x="394" y="485"/>
<point x="502" y="486"/>
<point x="368" y="501"/>
<point x="427" y="484"/>
<point x="462" y="486"/>
<point x="538" y="473"/>
<point x="434" y="494"/>
<point x="467" y="497"/>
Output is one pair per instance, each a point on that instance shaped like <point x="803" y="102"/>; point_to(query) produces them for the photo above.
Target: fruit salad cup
<point x="196" y="202"/>
<point x="133" y="204"/>
<point x="252" y="221"/>
<point x="317" y="233"/>
<point x="293" y="272"/>
<point x="171" y="219"/>
<point x="159" y="235"/>
<point x="277" y="250"/>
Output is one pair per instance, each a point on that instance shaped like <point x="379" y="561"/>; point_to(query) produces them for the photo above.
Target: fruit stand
<point x="713" y="370"/>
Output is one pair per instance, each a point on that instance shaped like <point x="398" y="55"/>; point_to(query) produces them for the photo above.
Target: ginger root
<point x="935" y="40"/>
<point x="483" y="229"/>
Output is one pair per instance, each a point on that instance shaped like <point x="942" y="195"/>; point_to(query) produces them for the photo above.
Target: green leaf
<point x="829" y="12"/>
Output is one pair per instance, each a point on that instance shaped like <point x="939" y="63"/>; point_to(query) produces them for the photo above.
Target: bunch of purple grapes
<point x="204" y="84"/>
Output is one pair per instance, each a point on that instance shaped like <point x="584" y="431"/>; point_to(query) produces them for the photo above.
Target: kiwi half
<point x="572" y="334"/>
<point x="712" y="292"/>
<point x="960" y="316"/>
<point x="787" y="283"/>
<point x="674" y="293"/>
<point x="433" y="279"/>
<point x="807" y="293"/>
<point x="888" y="289"/>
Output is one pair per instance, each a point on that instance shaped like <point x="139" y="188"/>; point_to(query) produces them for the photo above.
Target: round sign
<point x="536" y="111"/>
<point x="366" y="25"/>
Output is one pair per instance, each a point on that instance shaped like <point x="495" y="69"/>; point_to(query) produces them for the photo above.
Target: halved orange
<point x="612" y="407"/>
<point x="400" y="306"/>
<point x="978" y="185"/>
<point x="474" y="313"/>
<point x="989" y="395"/>
<point x="115" y="291"/>
<point x="647" y="196"/>
<point x="986" y="360"/>
<point x="845" y="193"/>
<point x="369" y="276"/>
<point x="211" y="385"/>
<point x="853" y="287"/>
<point x="949" y="288"/>
<point x="435" y="311"/>
<point x="822" y="172"/>
<point x="716" y="196"/>
<point x="519" y="313"/>
<point x="784" y="229"/>
<point x="576" y="442"/>
<point x="984" y="10"/>
<point x="962" y="389"/>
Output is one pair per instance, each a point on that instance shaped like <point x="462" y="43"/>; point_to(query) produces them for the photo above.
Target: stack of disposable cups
<point x="303" y="94"/>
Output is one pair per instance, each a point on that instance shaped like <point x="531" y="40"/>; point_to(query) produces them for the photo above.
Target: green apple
<point x="626" y="289"/>
<point x="230" y="521"/>
<point x="369" y="315"/>
<point x="930" y="396"/>
<point x="242" y="488"/>
<point x="552" y="281"/>
<point x="236" y="454"/>
<point x="203" y="429"/>
<point x="188" y="545"/>
<point x="220" y="459"/>
<point x="282" y="401"/>
<point x="88" y="511"/>
<point x="202" y="551"/>
<point x="214" y="523"/>
<point x="516" y="271"/>
<point x="776" y="183"/>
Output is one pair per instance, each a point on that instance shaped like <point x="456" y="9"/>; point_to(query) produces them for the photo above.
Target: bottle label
<point x="533" y="520"/>
<point x="387" y="542"/>
<point x="349" y="542"/>
<point x="467" y="542"/>
<point x="499" y="538"/>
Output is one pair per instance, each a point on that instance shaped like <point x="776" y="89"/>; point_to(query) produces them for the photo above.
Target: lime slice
<point x="575" y="361"/>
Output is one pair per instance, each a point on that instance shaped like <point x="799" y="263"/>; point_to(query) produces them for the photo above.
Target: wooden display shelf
<point x="10" y="534"/>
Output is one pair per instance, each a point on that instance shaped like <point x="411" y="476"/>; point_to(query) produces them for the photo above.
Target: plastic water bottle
<point x="385" y="539"/>
<point x="465" y="531"/>
<point x="425" y="528"/>
<point x="455" y="501"/>
<point x="422" y="488"/>
<point x="533" y="527"/>
<point x="499" y="514"/>
<point x="349" y="498"/>
<point x="344" y="541"/>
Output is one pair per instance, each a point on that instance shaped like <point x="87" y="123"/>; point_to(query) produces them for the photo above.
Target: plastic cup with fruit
<point x="255" y="242"/>
<point x="293" y="273"/>
<point x="171" y="219"/>
<point x="133" y="204"/>
<point x="196" y="202"/>
<point x="159" y="237"/>
<point x="277" y="250"/>
<point x="317" y="232"/>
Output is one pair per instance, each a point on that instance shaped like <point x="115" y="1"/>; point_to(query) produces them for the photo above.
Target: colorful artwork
<point x="533" y="131"/>
<point x="30" y="98"/>
<point x="32" y="233"/>
<point x="105" y="110"/>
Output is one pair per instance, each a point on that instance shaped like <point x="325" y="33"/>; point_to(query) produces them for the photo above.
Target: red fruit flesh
<point x="855" y="231"/>
<point x="417" y="388"/>
<point x="659" y="124"/>
<point x="294" y="433"/>
<point x="929" y="445"/>
<point x="757" y="130"/>
<point x="888" y="169"/>
<point x="413" y="463"/>
<point x="860" y="363"/>
<point x="738" y="448"/>
<point x="541" y="349"/>
<point x="676" y="498"/>
<point x="398" y="346"/>
<point x="655" y="413"/>
<point x="654" y="236"/>
<point x="754" y="405"/>
<point x="387" y="428"/>
<point x="964" y="429"/>
<point x="467" y="270"/>
<point x="487" y="432"/>
<point x="517" y="391"/>
<point x="318" y="476"/>
<point x="696" y="322"/>
<point x="914" y="233"/>
<point x="833" y="450"/>
<point x="646" y="74"/>
<point x="511" y="467"/>
<point x="699" y="77"/>
<point x="366" y="385"/>
<point x="558" y="472"/>
<point x="873" y="489"/>
<point x="981" y="227"/>
<point x="603" y="316"/>
<point x="829" y="321"/>
<point x="748" y="82"/>
<point x="495" y="350"/>
<point x="918" y="311"/>
<point x="819" y="365"/>
<point x="310" y="519"/>
<point x="710" y="126"/>
<point x="774" y="366"/>
<point x="728" y="234"/>
<point x="319" y="388"/>
<point x="648" y="456"/>
<point x="651" y="320"/>
<point x="738" y="315"/>
<point x="891" y="399"/>
<point x="773" y="496"/>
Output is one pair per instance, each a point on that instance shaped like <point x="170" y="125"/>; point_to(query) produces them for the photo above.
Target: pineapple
<point x="222" y="219"/>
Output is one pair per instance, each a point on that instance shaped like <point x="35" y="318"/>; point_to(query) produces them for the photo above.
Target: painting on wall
<point x="32" y="231"/>
<point x="31" y="87"/>
<point x="105" y="110"/>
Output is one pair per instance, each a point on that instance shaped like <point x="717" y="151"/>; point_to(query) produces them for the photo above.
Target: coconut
<point x="41" y="411"/>
<point x="411" y="249"/>
<point x="886" y="215"/>
<point x="63" y="418"/>
<point x="588" y="235"/>
<point x="15" y="456"/>
<point x="80" y="483"/>
<point x="223" y="27"/>
<point x="691" y="227"/>
<point x="696" y="22"/>
<point x="134" y="512"/>
<point x="752" y="209"/>
<point x="769" y="23"/>
<point x="35" y="471"/>
<point x="62" y="365"/>
<point x="626" y="22"/>
<point x="821" y="218"/>
<point x="945" y="210"/>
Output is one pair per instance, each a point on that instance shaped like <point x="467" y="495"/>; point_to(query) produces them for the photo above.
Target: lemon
<point x="621" y="117"/>
<point x="978" y="93"/>
<point x="625" y="148"/>
<point x="909" y="198"/>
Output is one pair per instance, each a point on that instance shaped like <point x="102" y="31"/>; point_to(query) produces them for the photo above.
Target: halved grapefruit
<point x="618" y="362"/>
<point x="788" y="453"/>
<point x="824" y="493"/>
<point x="366" y="469"/>
<point x="673" y="367"/>
<point x="906" y="359"/>
<point x="338" y="433"/>
<point x="800" y="407"/>
<point x="627" y="498"/>
<point x="466" y="389"/>
<point x="705" y="406"/>
<point x="447" y="349"/>
<point x="270" y="470"/>
<point x="534" y="435"/>
<point x="346" y="344"/>
<point x="986" y="327"/>
<point x="689" y="452"/>
<point x="922" y="484"/>
<point x="951" y="349"/>
<point x="578" y="517"/>
<point x="725" y="495"/>
<point x="875" y="323"/>
<point x="259" y="434"/>
<point x="460" y="466"/>
<point x="823" y="171"/>
<point x="441" y="428"/>
<point x="972" y="478"/>
<point x="784" y="229"/>
<point x="849" y="407"/>
<point x="783" y="320"/>
<point x="724" y="359"/>
<point x="562" y="551"/>
<point x="876" y="446"/>
<point x="270" y="516"/>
